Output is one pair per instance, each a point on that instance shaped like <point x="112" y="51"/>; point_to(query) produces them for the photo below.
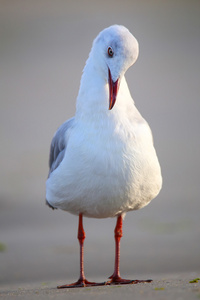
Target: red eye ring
<point x="110" y="52"/>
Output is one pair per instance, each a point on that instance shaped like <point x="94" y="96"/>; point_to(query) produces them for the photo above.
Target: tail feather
<point x="47" y="203"/>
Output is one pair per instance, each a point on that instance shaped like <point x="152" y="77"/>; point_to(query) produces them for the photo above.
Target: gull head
<point x="114" y="50"/>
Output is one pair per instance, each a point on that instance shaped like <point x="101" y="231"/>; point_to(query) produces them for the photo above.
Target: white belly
<point x="105" y="175"/>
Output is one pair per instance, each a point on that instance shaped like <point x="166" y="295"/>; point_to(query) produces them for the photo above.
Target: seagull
<point x="102" y="161"/>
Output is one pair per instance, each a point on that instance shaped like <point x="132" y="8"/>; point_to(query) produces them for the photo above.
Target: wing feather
<point x="59" y="145"/>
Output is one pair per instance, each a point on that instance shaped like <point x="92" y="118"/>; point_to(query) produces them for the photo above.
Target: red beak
<point x="113" y="90"/>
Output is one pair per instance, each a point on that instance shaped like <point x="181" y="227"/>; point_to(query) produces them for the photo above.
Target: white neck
<point x="93" y="97"/>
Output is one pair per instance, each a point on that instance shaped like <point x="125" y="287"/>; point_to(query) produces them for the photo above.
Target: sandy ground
<point x="44" y="46"/>
<point x="176" y="286"/>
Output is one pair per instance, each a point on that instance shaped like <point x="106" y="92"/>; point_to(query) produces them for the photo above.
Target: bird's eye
<point x="110" y="52"/>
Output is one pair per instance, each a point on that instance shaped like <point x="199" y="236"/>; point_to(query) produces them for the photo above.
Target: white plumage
<point x="103" y="162"/>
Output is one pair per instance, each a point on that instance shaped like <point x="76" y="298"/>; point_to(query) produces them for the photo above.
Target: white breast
<point x="114" y="170"/>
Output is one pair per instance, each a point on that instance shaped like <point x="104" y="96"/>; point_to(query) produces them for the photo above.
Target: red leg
<point x="115" y="277"/>
<point x="82" y="281"/>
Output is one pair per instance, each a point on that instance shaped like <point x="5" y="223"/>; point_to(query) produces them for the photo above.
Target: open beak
<point x="113" y="90"/>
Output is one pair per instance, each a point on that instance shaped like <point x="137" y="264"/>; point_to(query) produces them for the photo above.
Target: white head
<point x="114" y="50"/>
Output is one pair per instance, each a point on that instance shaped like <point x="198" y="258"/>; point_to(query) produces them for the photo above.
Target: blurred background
<point x="43" y="49"/>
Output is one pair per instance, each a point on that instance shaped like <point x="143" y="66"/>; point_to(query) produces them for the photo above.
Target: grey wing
<point x="59" y="145"/>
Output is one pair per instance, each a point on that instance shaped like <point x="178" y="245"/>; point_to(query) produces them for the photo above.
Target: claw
<point x="118" y="280"/>
<point x="81" y="283"/>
